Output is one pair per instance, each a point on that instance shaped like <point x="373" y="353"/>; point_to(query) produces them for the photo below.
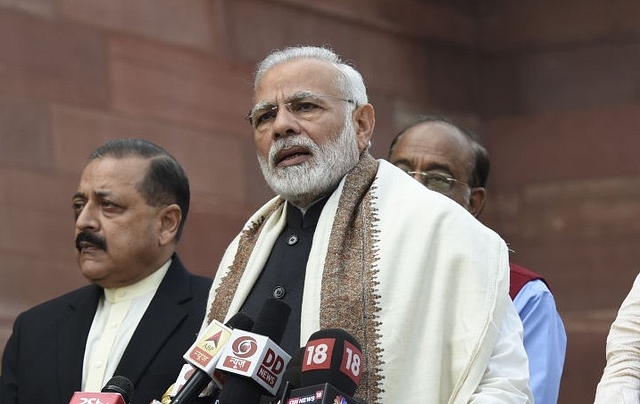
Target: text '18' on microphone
<point x="331" y="369"/>
<point x="118" y="390"/>
<point x="252" y="362"/>
<point x="203" y="356"/>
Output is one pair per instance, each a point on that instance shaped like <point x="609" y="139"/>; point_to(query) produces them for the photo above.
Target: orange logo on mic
<point x="244" y="347"/>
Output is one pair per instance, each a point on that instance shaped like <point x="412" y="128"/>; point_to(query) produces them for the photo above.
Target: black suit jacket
<point x="42" y="361"/>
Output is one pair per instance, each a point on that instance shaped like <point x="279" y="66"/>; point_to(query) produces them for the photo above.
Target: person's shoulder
<point x="179" y="269"/>
<point x="200" y="281"/>
<point x="404" y="206"/>
<point x="61" y="302"/>
<point x="536" y="287"/>
<point x="533" y="281"/>
<point x="195" y="289"/>
<point x="398" y="188"/>
<point x="519" y="269"/>
<point x="407" y="198"/>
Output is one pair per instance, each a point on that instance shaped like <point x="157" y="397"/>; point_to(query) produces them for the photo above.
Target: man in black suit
<point x="142" y="310"/>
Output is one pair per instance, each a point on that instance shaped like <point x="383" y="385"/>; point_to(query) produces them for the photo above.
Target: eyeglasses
<point x="303" y="106"/>
<point x="436" y="182"/>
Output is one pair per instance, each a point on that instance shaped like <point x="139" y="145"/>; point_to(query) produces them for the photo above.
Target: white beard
<point x="304" y="183"/>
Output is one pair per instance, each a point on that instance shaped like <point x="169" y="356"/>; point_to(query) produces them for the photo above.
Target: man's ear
<point x="170" y="217"/>
<point x="365" y="120"/>
<point x="476" y="201"/>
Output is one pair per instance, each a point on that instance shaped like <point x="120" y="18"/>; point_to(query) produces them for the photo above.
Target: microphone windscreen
<point x="332" y="356"/>
<point x="241" y="321"/>
<point x="294" y="369"/>
<point x="290" y="377"/>
<point x="272" y="319"/>
<point x="120" y="385"/>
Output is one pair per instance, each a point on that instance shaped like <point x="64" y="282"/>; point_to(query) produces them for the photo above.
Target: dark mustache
<point x="92" y="239"/>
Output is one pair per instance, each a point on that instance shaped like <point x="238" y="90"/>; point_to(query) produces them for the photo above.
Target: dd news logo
<point x="272" y="365"/>
<point x="244" y="347"/>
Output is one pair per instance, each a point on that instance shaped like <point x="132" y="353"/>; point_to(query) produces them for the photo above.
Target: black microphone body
<point x="192" y="388"/>
<point x="121" y="385"/>
<point x="200" y="379"/>
<point x="118" y="390"/>
<point x="291" y="377"/>
<point x="271" y="322"/>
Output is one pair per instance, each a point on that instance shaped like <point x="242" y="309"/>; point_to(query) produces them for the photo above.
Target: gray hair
<point x="350" y="82"/>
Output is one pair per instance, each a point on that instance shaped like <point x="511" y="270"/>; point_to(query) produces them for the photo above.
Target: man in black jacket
<point x="143" y="308"/>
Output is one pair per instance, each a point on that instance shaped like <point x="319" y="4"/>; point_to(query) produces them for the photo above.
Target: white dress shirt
<point x="117" y="316"/>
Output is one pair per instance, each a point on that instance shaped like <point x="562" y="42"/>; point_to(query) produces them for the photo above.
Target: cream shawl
<point x="416" y="279"/>
<point x="620" y="382"/>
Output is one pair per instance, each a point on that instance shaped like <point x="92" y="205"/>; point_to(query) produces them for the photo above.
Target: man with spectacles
<point x="305" y="105"/>
<point x="342" y="245"/>
<point x="449" y="159"/>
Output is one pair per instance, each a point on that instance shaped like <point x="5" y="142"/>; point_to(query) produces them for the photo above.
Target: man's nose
<point x="285" y="123"/>
<point x="86" y="219"/>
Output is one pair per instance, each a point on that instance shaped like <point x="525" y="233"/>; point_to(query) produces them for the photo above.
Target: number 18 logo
<point x="351" y="362"/>
<point x="318" y="354"/>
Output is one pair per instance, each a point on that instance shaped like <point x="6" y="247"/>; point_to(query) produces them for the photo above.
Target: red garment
<point x="519" y="276"/>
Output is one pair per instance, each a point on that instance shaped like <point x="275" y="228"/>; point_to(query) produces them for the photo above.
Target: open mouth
<point x="291" y="156"/>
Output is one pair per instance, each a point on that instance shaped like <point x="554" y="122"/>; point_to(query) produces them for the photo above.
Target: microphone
<point x="118" y="390"/>
<point x="331" y="369"/>
<point x="253" y="362"/>
<point x="203" y="356"/>
<point x="290" y="378"/>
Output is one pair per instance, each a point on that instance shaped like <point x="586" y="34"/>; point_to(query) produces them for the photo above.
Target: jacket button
<point x="279" y="292"/>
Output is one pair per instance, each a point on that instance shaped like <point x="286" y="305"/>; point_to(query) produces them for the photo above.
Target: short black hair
<point x="481" y="164"/>
<point x="165" y="181"/>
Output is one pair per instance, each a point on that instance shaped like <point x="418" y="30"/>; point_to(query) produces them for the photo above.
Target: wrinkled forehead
<point x="297" y="76"/>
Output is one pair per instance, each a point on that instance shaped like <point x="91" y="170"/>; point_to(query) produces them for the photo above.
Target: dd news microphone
<point x="331" y="369"/>
<point x="118" y="390"/>
<point x="204" y="354"/>
<point x="253" y="363"/>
